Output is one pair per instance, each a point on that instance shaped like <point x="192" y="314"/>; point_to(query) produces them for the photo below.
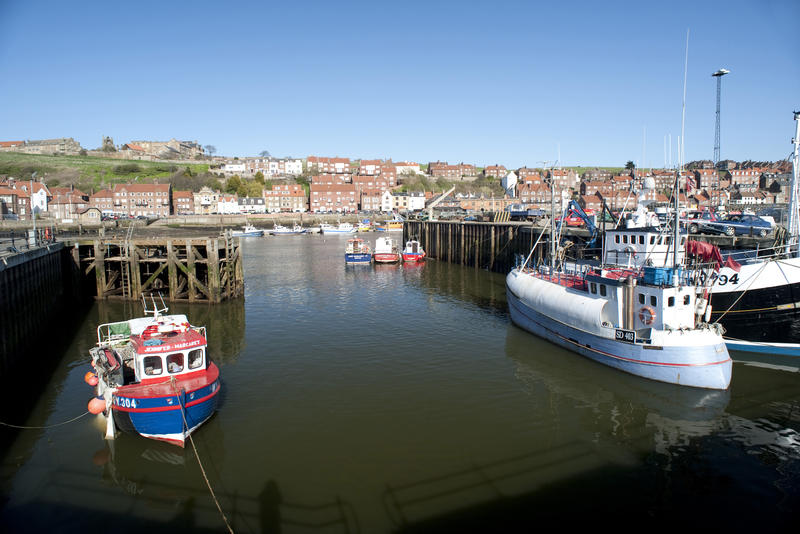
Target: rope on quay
<point x="200" y="463"/>
<point x="46" y="426"/>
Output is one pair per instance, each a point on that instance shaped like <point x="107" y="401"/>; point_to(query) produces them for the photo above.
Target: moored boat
<point x="357" y="251"/>
<point x="386" y="250"/>
<point x="413" y="251"/>
<point x="751" y="293"/>
<point x="624" y="320"/>
<point x="248" y="231"/>
<point x="390" y="226"/>
<point x="296" y="229"/>
<point x="153" y="376"/>
<point x="341" y="228"/>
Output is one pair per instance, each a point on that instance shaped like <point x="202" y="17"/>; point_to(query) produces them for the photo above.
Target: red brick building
<point x="333" y="198"/>
<point x="328" y="165"/>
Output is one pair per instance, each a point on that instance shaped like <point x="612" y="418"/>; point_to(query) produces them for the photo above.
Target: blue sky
<point x="514" y="83"/>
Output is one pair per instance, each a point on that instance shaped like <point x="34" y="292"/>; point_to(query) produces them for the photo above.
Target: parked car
<point x="694" y="220"/>
<point x="573" y="219"/>
<point x="743" y="224"/>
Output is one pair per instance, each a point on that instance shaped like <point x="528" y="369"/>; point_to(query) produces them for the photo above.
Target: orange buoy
<point x="97" y="405"/>
<point x="90" y="378"/>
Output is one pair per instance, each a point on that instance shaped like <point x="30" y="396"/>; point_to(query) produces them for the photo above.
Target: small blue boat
<point x="248" y="231"/>
<point x="357" y="251"/>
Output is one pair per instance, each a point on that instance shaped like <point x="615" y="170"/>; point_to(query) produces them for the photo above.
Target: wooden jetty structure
<point x="207" y="269"/>
<point x="491" y="246"/>
<point x="495" y="246"/>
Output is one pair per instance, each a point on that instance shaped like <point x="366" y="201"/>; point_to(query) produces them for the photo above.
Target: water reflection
<point x="401" y="399"/>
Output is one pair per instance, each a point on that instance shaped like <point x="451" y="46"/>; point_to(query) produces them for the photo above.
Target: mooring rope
<point x="199" y="462"/>
<point x="46" y="426"/>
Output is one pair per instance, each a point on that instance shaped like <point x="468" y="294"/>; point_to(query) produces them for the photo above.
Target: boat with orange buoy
<point x="152" y="376"/>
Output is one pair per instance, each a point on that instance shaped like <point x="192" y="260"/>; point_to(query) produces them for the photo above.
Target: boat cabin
<point x="146" y="349"/>
<point x="644" y="302"/>
<point x="638" y="247"/>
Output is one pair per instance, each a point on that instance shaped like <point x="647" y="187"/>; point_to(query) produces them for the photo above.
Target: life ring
<point x="150" y="331"/>
<point x="630" y="251"/>
<point x="647" y="315"/>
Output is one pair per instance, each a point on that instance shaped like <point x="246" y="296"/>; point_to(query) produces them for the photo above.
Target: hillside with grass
<point x="92" y="173"/>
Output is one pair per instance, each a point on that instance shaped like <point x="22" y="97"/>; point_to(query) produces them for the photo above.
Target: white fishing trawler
<point x="751" y="293"/>
<point x="646" y="321"/>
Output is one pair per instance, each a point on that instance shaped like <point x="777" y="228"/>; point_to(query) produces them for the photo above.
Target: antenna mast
<point x="676" y="238"/>
<point x="794" y="223"/>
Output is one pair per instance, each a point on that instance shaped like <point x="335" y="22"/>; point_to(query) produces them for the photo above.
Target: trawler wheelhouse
<point x="642" y="246"/>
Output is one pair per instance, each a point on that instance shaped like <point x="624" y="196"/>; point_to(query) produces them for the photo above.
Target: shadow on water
<point x="38" y="366"/>
<point x="670" y="450"/>
<point x="166" y="484"/>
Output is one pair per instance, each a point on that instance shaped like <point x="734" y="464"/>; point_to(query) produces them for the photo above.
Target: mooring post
<point x="212" y="255"/>
<point x="100" y="269"/>
<point x="172" y="273"/>
<point x="190" y="276"/>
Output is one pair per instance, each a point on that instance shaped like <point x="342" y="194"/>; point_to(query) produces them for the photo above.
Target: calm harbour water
<point x="399" y="398"/>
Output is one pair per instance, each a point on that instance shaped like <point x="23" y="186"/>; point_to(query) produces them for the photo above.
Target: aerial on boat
<point x="248" y="231"/>
<point x="153" y="376"/>
<point x="357" y="251"/>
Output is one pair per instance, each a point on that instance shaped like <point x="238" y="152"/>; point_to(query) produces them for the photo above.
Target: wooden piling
<point x="184" y="269"/>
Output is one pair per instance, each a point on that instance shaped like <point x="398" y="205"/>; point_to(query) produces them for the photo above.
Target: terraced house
<point x="151" y="200"/>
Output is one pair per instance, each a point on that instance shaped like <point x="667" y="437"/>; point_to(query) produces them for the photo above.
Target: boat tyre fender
<point x="647" y="315"/>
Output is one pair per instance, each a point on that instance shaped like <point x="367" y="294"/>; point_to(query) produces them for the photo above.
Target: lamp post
<point x="718" y="75"/>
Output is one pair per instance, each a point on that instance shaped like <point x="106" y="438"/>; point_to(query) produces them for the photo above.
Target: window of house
<point x="653" y="300"/>
<point x="687" y="299"/>
<point x="602" y="290"/>
<point x="671" y="301"/>
<point x="641" y="298"/>
<point x="152" y="365"/>
<point x="593" y="287"/>
<point x="641" y="240"/>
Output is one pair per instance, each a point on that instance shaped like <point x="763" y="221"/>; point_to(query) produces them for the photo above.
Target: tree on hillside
<point x="630" y="165"/>
<point x="264" y="154"/>
<point x="211" y="149"/>
<point x="233" y="184"/>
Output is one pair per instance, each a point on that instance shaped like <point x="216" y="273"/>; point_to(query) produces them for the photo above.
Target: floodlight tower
<point x="718" y="75"/>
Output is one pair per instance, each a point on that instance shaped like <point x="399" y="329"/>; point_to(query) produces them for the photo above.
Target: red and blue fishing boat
<point x="413" y="253"/>
<point x="153" y="376"/>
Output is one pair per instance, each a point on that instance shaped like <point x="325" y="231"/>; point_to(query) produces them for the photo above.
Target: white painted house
<point x="509" y="183"/>
<point x="387" y="201"/>
<point x="228" y="205"/>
